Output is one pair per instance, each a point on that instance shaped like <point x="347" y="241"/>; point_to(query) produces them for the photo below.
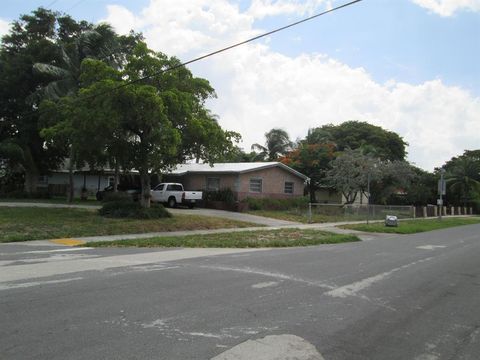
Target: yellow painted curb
<point x="68" y="242"/>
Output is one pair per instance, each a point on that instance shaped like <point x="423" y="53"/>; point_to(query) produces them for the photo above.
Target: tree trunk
<point x="71" y="182"/>
<point x="311" y="187"/>
<point x="31" y="172"/>
<point x="115" y="179"/>
<point x="145" y="182"/>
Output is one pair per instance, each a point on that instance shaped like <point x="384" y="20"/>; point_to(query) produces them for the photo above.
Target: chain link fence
<point x="317" y="213"/>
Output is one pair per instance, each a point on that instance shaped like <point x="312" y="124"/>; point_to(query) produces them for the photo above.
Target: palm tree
<point x="277" y="144"/>
<point x="462" y="179"/>
<point x="97" y="43"/>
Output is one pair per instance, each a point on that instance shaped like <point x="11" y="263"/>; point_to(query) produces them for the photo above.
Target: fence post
<point x="424" y="211"/>
<point x="459" y="210"/>
<point x="435" y="211"/>
<point x="414" y="211"/>
<point x="452" y="210"/>
<point x="471" y="211"/>
<point x="309" y="213"/>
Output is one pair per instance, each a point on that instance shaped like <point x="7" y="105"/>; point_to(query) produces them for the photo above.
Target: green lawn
<point x="302" y="216"/>
<point x="242" y="239"/>
<point x="414" y="226"/>
<point x="22" y="224"/>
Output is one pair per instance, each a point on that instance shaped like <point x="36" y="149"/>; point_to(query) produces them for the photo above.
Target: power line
<point x="52" y="3"/>
<point x="226" y="48"/>
<point x="75" y="5"/>
<point x="131" y="82"/>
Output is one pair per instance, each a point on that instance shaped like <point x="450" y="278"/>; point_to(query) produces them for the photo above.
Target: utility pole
<point x="368" y="200"/>
<point x="441" y="192"/>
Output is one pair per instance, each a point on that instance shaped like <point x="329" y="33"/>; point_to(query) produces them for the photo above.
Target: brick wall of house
<point x="273" y="184"/>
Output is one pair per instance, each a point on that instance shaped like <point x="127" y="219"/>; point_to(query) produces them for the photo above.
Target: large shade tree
<point x="32" y="38"/>
<point x="148" y="107"/>
<point x="372" y="140"/>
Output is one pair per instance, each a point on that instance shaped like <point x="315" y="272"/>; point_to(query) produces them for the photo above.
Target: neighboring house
<point x="331" y="196"/>
<point x="258" y="179"/>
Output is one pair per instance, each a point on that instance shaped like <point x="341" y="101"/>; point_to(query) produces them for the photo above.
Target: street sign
<point x="442" y="187"/>
<point x="439" y="202"/>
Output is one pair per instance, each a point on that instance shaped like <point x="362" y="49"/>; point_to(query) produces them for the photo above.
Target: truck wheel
<point x="172" y="202"/>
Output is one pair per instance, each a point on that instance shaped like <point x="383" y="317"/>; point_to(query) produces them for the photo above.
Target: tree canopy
<point x="372" y="140"/>
<point x="463" y="178"/>
<point x="277" y="144"/>
<point x="75" y="90"/>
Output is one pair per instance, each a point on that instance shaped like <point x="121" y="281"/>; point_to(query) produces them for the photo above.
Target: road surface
<point x="402" y="297"/>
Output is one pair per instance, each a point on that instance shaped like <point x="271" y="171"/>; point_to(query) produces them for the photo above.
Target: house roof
<point x="232" y="168"/>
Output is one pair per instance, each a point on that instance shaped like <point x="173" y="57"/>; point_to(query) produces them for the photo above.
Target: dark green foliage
<point x="226" y="195"/>
<point x="463" y="178"/>
<point x="277" y="144"/>
<point x="276" y="204"/>
<point x="133" y="210"/>
<point x="116" y="196"/>
<point x="372" y="140"/>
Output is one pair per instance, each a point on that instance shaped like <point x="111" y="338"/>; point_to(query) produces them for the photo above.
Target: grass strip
<point x="240" y="239"/>
<point x="414" y="226"/>
<point x="31" y="223"/>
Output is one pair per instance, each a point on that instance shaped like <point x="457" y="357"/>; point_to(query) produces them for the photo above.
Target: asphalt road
<point x="407" y="297"/>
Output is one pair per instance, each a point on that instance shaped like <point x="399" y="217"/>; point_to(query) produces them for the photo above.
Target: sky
<point x="409" y="66"/>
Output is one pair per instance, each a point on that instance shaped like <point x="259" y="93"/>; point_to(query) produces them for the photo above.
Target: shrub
<point x="276" y="204"/>
<point x="116" y="196"/>
<point x="225" y="195"/>
<point x="130" y="209"/>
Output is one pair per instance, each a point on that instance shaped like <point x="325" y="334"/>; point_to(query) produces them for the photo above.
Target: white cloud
<point x="259" y="89"/>
<point x="262" y="8"/>
<point x="185" y="27"/>
<point x="263" y="90"/>
<point x="448" y="7"/>
<point x="121" y="19"/>
<point x="4" y="27"/>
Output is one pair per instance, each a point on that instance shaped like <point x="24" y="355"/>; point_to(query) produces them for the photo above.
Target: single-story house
<point x="57" y="182"/>
<point x="257" y="179"/>
<point x="331" y="196"/>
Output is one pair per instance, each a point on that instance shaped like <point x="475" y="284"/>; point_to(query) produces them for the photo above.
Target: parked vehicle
<point x="132" y="191"/>
<point x="173" y="194"/>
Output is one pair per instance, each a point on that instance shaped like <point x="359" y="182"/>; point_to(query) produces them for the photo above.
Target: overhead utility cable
<point x="219" y="51"/>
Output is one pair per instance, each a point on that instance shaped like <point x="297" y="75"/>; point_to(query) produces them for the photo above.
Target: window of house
<point x="213" y="184"/>
<point x="42" y="180"/>
<point x="256" y="185"/>
<point x="288" y="187"/>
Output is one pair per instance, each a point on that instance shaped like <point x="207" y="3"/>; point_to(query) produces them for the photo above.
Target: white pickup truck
<point x="173" y="194"/>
